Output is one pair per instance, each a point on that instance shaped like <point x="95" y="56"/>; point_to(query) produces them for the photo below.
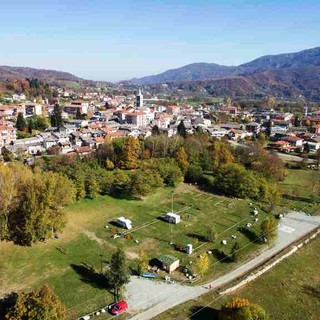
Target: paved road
<point x="152" y="298"/>
<point x="284" y="156"/>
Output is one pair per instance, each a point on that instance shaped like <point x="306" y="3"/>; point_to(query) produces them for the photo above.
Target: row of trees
<point x="31" y="203"/>
<point x="134" y="167"/>
<point x="90" y="179"/>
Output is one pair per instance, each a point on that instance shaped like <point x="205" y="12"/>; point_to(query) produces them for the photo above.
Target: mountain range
<point x="7" y="72"/>
<point x="288" y="75"/>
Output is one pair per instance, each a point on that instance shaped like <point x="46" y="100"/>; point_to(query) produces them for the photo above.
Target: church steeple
<point x="139" y="98"/>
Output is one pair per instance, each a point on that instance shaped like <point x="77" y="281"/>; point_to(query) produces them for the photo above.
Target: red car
<point x="118" y="307"/>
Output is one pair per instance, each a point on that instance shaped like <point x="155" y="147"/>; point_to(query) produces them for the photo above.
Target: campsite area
<point x="72" y="263"/>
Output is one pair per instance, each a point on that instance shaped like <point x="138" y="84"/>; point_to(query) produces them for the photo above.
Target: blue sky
<point x="120" y="39"/>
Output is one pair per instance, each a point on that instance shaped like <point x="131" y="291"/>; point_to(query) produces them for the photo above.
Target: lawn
<point x="291" y="290"/>
<point x="299" y="189"/>
<point x="86" y="242"/>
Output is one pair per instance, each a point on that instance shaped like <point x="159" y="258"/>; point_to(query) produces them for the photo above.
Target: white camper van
<point x="172" y="218"/>
<point x="125" y="223"/>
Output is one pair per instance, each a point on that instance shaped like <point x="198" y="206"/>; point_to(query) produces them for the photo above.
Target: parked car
<point x="118" y="307"/>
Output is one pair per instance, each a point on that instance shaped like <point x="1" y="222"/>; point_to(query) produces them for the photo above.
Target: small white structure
<point x="249" y="225"/>
<point x="255" y="212"/>
<point x="125" y="223"/>
<point x="172" y="218"/>
<point x="189" y="248"/>
<point x="224" y="242"/>
<point x="234" y="236"/>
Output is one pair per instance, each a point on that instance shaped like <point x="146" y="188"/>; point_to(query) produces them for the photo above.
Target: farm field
<point x="291" y="290"/>
<point x="71" y="264"/>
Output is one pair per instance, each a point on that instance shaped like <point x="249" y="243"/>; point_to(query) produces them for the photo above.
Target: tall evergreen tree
<point x="21" y="122"/>
<point x="78" y="114"/>
<point x="155" y="130"/>
<point x="56" y="116"/>
<point x="118" y="272"/>
<point x="182" y="129"/>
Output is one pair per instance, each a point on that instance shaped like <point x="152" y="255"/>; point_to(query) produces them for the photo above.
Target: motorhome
<point x="125" y="223"/>
<point x="172" y="218"/>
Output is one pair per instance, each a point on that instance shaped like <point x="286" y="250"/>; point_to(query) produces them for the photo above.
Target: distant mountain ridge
<point x="7" y="72"/>
<point x="203" y="71"/>
<point x="286" y="75"/>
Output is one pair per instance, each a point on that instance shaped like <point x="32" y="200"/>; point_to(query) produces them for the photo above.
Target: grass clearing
<point x="299" y="188"/>
<point x="86" y="242"/>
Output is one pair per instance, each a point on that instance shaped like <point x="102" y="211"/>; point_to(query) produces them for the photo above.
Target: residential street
<point x="152" y="298"/>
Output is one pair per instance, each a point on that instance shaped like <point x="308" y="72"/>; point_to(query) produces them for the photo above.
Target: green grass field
<point x="86" y="242"/>
<point x="291" y="290"/>
<point x="299" y="187"/>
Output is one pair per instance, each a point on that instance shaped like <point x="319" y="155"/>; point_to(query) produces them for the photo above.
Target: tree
<point x="39" y="214"/>
<point x="233" y="179"/>
<point x="297" y="121"/>
<point x="269" y="228"/>
<point x="242" y="309"/>
<point x="182" y="159"/>
<point x="144" y="182"/>
<point x="202" y="263"/>
<point x="38" y="304"/>
<point x="31" y="125"/>
<point x="7" y="154"/>
<point x="11" y="180"/>
<point x="306" y="148"/>
<point x="56" y="116"/>
<point x="221" y="154"/>
<point x="235" y="252"/>
<point x="194" y="173"/>
<point x="168" y="170"/>
<point x="181" y="130"/>
<point x="78" y="114"/>
<point x="143" y="262"/>
<point x="155" y="130"/>
<point x="130" y="154"/>
<point x="117" y="274"/>
<point x="21" y="122"/>
<point x="109" y="164"/>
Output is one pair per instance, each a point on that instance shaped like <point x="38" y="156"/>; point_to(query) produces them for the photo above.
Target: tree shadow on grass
<point x="89" y="275"/>
<point x="250" y="234"/>
<point x="198" y="236"/>
<point x="312" y="291"/>
<point x="203" y="313"/>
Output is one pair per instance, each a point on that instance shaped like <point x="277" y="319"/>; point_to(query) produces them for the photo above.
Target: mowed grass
<point x="299" y="188"/>
<point x="86" y="242"/>
<point x="291" y="290"/>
